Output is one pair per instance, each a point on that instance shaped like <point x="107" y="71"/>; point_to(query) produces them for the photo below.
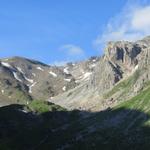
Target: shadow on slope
<point x="118" y="129"/>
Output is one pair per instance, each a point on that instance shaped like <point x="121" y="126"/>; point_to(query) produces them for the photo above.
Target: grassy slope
<point x="124" y="85"/>
<point x="25" y="126"/>
<point x="126" y="126"/>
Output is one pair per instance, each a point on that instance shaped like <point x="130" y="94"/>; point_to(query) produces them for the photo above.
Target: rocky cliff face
<point x="97" y="83"/>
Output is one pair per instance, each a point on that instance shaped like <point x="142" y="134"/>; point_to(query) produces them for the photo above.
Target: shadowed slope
<point x="125" y="127"/>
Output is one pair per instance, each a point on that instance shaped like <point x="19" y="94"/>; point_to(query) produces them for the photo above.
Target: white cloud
<point x="71" y="53"/>
<point x="60" y="63"/>
<point x="72" y="50"/>
<point x="141" y="19"/>
<point x="131" y="24"/>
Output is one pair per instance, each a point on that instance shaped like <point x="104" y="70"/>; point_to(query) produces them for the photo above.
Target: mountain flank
<point x="93" y="84"/>
<point x="100" y="103"/>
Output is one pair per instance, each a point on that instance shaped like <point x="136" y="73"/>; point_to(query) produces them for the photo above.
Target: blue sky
<point x="55" y="31"/>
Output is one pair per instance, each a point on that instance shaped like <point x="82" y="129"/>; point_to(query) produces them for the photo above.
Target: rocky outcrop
<point x="123" y="54"/>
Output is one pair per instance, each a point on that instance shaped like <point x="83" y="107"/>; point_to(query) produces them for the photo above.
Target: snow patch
<point x="30" y="87"/>
<point x="94" y="60"/>
<point x="86" y="75"/>
<point x="20" y="70"/>
<point x="16" y="76"/>
<point x="64" y="88"/>
<point x="53" y="74"/>
<point x="136" y="67"/>
<point x="6" y="64"/>
<point x="29" y="80"/>
<point x="82" y="71"/>
<point x="93" y="65"/>
<point x="2" y="91"/>
<point x="68" y="80"/>
<point x="66" y="70"/>
<point x="39" y="68"/>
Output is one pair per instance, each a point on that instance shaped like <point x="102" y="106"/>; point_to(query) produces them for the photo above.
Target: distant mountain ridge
<point x="96" y="83"/>
<point x="35" y="80"/>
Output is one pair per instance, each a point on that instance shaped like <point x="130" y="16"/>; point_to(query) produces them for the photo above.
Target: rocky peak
<point x="123" y="53"/>
<point x="145" y="42"/>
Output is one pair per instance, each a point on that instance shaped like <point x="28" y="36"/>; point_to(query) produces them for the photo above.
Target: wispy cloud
<point x="72" y="50"/>
<point x="70" y="53"/>
<point x="132" y="23"/>
<point x="59" y="63"/>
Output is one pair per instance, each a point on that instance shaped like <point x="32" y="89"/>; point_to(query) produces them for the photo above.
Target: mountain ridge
<point x="85" y="84"/>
